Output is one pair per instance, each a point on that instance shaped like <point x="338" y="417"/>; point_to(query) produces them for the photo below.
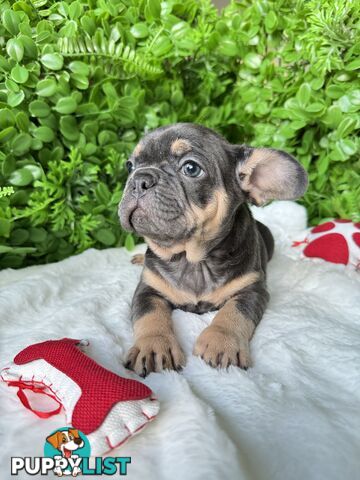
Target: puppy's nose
<point x="142" y="182"/>
<point x="78" y="441"/>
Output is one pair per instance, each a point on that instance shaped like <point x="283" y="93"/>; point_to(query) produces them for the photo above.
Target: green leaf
<point x="15" y="49"/>
<point x="69" y="128"/>
<point x="19" y="236"/>
<point x="102" y="193"/>
<point x="161" y="46"/>
<point x="37" y="235"/>
<point x="5" y="227"/>
<point x="9" y="165"/>
<point x="29" y="46"/>
<point x="354" y="65"/>
<point x="19" y="74"/>
<point x="52" y="61"/>
<point x="315" y="107"/>
<point x="22" y="121"/>
<point x="348" y="146"/>
<point x="21" y="144"/>
<point x="46" y="88"/>
<point x="66" y="105"/>
<point x="5" y="249"/>
<point x="6" y="134"/>
<point x="139" y="30"/>
<point x="21" y="177"/>
<point x="80" y="82"/>
<point x="39" y="108"/>
<point x="154" y="8"/>
<point x="270" y="21"/>
<point x="45" y="134"/>
<point x="346" y="126"/>
<point x="11" y="21"/>
<point x="14" y="99"/>
<point x="129" y="242"/>
<point x="12" y="86"/>
<point x="88" y="24"/>
<point x="317" y="83"/>
<point x="228" y="48"/>
<point x="35" y="171"/>
<point x="105" y="236"/>
<point x="334" y="91"/>
<point x="303" y="94"/>
<point x="80" y="68"/>
<point x="7" y="118"/>
<point x="253" y="60"/>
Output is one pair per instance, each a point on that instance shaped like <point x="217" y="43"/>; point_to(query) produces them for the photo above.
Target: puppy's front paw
<point x="138" y="259"/>
<point x="154" y="353"/>
<point x="221" y="348"/>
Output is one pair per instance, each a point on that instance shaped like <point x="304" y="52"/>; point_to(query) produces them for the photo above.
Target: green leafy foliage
<point x="82" y="81"/>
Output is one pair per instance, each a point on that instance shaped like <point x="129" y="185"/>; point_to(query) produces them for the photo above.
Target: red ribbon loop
<point x="25" y="401"/>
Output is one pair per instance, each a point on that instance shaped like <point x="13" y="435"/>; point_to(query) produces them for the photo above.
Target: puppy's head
<point x="66" y="441"/>
<point x="186" y="180"/>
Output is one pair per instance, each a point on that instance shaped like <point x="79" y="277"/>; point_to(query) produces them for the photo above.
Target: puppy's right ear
<point x="54" y="440"/>
<point x="267" y="174"/>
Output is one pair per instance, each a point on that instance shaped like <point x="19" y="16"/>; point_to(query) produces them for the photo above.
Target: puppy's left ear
<point x="267" y="174"/>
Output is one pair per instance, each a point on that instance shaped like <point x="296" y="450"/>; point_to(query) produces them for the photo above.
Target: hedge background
<point x="81" y="81"/>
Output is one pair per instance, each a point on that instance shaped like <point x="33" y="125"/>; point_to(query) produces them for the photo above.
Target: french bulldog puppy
<point x="187" y="194"/>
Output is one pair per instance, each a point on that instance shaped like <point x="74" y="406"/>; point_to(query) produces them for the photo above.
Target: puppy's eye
<point x="130" y="166"/>
<point x="192" y="169"/>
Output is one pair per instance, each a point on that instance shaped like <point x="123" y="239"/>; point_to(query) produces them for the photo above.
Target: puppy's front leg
<point x="156" y="347"/>
<point x="226" y="340"/>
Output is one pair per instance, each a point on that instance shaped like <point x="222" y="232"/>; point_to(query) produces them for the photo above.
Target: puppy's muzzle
<point x="142" y="182"/>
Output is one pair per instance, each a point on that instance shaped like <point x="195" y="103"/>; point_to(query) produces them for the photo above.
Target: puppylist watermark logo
<point x="67" y="453"/>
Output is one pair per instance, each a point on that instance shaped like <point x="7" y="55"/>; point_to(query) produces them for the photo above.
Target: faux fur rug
<point x="294" y="415"/>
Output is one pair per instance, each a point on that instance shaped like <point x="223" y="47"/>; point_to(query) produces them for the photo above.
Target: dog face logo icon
<point x="67" y="446"/>
<point x="66" y="441"/>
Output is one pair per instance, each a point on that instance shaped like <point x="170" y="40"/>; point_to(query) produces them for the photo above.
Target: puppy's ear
<point x="54" y="440"/>
<point x="267" y="174"/>
<point x="74" y="432"/>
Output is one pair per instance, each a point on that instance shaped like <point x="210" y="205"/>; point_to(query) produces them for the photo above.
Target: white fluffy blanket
<point x="294" y="415"/>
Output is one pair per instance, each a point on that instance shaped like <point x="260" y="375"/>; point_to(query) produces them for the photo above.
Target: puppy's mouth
<point x="67" y="453"/>
<point x="131" y="217"/>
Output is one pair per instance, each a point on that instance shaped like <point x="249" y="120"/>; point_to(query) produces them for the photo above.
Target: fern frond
<point x="114" y="56"/>
<point x="6" y="191"/>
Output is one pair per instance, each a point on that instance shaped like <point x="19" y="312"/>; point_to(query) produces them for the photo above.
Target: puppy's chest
<point x="199" y="288"/>
<point x="199" y="278"/>
<point x="194" y="284"/>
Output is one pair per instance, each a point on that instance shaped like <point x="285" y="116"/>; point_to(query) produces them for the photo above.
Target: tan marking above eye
<point x="182" y="297"/>
<point x="138" y="149"/>
<point x="180" y="146"/>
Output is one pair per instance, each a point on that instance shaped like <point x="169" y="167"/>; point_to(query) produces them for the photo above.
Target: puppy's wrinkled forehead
<point x="176" y="141"/>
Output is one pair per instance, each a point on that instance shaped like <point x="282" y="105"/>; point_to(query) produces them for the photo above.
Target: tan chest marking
<point x="217" y="297"/>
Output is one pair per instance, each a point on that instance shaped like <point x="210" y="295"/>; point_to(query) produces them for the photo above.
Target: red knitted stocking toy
<point x="107" y="408"/>
<point x="336" y="241"/>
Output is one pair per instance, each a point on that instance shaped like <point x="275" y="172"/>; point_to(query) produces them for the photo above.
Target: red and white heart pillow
<point x="336" y="241"/>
